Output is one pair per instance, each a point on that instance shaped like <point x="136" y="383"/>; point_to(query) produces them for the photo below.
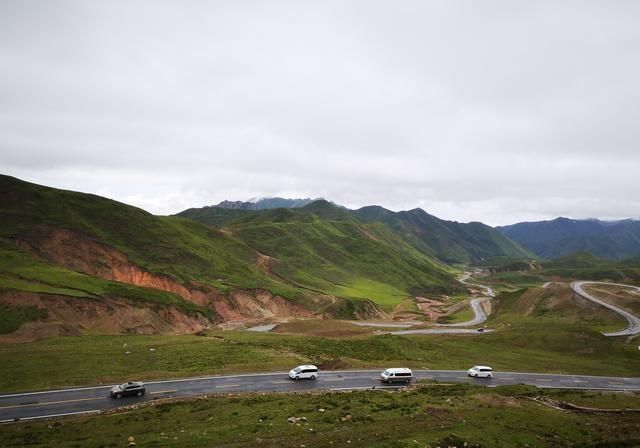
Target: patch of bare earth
<point x="82" y="253"/>
<point x="431" y="308"/>
<point x="497" y="401"/>
<point x="368" y="234"/>
<point x="560" y="298"/>
<point x="626" y="298"/>
<point x="70" y="316"/>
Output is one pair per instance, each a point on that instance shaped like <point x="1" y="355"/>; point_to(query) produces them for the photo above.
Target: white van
<point x="480" y="372"/>
<point x="396" y="375"/>
<point x="304" y="372"/>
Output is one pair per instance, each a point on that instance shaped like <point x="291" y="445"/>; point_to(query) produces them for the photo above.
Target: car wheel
<point x="489" y="376"/>
<point x="118" y="395"/>
<point x="475" y="376"/>
<point x="313" y="377"/>
<point x="407" y="381"/>
<point x="140" y="394"/>
<point x="295" y="378"/>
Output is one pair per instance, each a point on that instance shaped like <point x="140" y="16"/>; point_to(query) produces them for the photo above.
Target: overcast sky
<point x="479" y="110"/>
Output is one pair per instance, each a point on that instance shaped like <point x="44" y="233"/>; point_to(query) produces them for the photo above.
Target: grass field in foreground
<point x="427" y="416"/>
<point x="543" y="346"/>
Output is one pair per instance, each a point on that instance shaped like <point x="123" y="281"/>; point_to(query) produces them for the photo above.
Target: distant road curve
<point x="476" y="304"/>
<point x="488" y="291"/>
<point x="478" y="311"/>
<point x="634" y="322"/>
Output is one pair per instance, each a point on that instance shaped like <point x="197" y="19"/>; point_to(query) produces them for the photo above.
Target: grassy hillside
<point x="213" y="216"/>
<point x="181" y="248"/>
<point x="21" y="272"/>
<point x="585" y="266"/>
<point x="343" y="257"/>
<point x="309" y="254"/>
<point x="450" y="242"/>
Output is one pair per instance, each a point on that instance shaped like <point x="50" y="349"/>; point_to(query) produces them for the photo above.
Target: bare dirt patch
<point x="76" y="251"/>
<point x="431" y="308"/>
<point x="72" y="316"/>
<point x="625" y="298"/>
<point x="497" y="401"/>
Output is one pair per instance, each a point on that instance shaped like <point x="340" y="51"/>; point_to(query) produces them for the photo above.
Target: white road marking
<point x="24" y="394"/>
<point x="227" y="385"/>
<point x="50" y="402"/>
<point x="93" y="411"/>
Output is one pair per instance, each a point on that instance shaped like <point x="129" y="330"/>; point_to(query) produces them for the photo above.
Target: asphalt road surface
<point x="633" y="326"/>
<point x="479" y="315"/>
<point x="56" y="403"/>
<point x="476" y="304"/>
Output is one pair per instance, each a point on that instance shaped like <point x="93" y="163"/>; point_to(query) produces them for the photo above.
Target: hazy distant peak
<point x="265" y="203"/>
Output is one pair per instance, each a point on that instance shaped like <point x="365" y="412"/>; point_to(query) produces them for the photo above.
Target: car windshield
<point x="123" y="386"/>
<point x="297" y="370"/>
<point x="386" y="372"/>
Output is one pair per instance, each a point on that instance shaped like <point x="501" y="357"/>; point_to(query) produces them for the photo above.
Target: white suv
<point x="480" y="372"/>
<point x="304" y="372"/>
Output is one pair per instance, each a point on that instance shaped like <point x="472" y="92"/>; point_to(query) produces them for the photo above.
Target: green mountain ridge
<point x="58" y="242"/>
<point x="448" y="241"/>
<point x="614" y="240"/>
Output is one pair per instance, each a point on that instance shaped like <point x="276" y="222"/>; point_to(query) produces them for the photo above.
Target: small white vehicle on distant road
<point x="396" y="375"/>
<point x="480" y="372"/>
<point x="304" y="372"/>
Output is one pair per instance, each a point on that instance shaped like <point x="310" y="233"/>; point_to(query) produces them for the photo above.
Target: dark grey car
<point x="129" y="389"/>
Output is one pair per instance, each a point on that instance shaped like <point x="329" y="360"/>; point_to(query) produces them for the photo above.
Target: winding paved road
<point x="81" y="400"/>
<point x="478" y="311"/>
<point x="488" y="291"/>
<point x="476" y="304"/>
<point x="633" y="327"/>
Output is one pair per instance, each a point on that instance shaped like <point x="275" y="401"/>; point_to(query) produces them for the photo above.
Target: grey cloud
<point x="494" y="111"/>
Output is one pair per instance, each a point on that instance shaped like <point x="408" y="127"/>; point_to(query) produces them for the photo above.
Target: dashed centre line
<point x="50" y="402"/>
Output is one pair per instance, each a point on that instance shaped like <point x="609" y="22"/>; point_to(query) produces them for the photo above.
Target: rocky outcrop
<point x="79" y="252"/>
<point x="74" y="316"/>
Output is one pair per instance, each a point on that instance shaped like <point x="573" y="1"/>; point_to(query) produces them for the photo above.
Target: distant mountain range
<point x="614" y="240"/>
<point x="448" y="241"/>
<point x="264" y="203"/>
